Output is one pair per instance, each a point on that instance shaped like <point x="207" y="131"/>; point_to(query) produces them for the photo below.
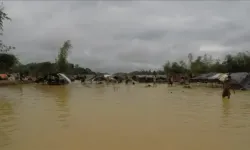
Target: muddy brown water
<point x="133" y="117"/>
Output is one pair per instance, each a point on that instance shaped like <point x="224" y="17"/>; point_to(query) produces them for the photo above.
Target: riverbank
<point x="8" y="82"/>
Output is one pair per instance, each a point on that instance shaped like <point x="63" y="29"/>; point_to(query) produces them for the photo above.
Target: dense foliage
<point x="3" y="16"/>
<point x="7" y="61"/>
<point x="203" y="64"/>
<point x="61" y="61"/>
<point x="147" y="72"/>
<point x="36" y="69"/>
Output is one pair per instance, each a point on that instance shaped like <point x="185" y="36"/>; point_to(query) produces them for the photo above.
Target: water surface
<point x="98" y="117"/>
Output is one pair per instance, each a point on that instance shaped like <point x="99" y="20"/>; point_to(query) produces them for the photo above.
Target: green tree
<point x="7" y="61"/>
<point x="167" y="68"/>
<point x="190" y="59"/>
<point x="62" y="63"/>
<point x="204" y="64"/>
<point x="175" y="68"/>
<point x="3" y="17"/>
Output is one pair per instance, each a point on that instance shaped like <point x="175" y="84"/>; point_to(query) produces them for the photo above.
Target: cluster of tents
<point x="54" y="79"/>
<point x="239" y="80"/>
<point x="134" y="78"/>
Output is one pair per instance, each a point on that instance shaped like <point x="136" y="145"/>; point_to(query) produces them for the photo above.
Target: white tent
<point x="216" y="76"/>
<point x="106" y="75"/>
<point x="64" y="77"/>
<point x="223" y="77"/>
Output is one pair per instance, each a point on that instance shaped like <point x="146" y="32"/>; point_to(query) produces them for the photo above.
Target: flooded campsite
<point x="93" y="117"/>
<point x="124" y="75"/>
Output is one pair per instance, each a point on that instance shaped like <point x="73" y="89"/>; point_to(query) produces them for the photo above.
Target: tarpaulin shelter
<point x="240" y="80"/>
<point x="223" y="77"/>
<point x="143" y="78"/>
<point x="246" y="83"/>
<point x="215" y="78"/>
<point x="202" y="77"/>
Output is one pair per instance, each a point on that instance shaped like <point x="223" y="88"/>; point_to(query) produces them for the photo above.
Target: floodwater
<point x="131" y="117"/>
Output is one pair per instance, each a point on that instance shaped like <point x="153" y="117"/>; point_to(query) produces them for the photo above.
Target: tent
<point x="64" y="77"/>
<point x="143" y="78"/>
<point x="202" y="77"/>
<point x="239" y="80"/>
<point x="54" y="79"/>
<point x="106" y="75"/>
<point x="215" y="78"/>
<point x="161" y="78"/>
<point x="223" y="77"/>
<point x="247" y="82"/>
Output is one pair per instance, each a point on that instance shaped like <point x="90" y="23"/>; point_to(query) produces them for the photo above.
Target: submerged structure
<point x="203" y="77"/>
<point x="239" y="80"/>
<point x="150" y="78"/>
<point x="54" y="79"/>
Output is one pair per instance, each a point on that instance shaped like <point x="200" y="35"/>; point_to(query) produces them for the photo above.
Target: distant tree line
<point x="239" y="62"/>
<point x="6" y="60"/>
<point x="147" y="72"/>
<point x="43" y="68"/>
<point x="10" y="63"/>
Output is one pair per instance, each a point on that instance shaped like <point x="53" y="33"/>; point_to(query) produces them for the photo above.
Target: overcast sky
<point x="114" y="36"/>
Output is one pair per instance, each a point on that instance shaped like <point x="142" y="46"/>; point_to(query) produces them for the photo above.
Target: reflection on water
<point x="226" y="107"/>
<point x="98" y="117"/>
<point x="60" y="95"/>
<point x="100" y="88"/>
<point x="7" y="121"/>
<point x="226" y="111"/>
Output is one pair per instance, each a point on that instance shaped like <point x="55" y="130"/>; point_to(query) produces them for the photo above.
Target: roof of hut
<point x="204" y="76"/>
<point x="223" y="77"/>
<point x="216" y="76"/>
<point x="161" y="76"/>
<point x="144" y="76"/>
<point x="239" y="77"/>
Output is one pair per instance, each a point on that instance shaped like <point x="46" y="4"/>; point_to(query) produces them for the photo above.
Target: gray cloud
<point x="145" y="35"/>
<point x="124" y="36"/>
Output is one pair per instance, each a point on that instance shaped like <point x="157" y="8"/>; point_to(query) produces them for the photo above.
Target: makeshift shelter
<point x="118" y="78"/>
<point x="240" y="80"/>
<point x="54" y="79"/>
<point x="246" y="83"/>
<point x="99" y="78"/>
<point x="107" y="76"/>
<point x="215" y="78"/>
<point x="223" y="77"/>
<point x="203" y="77"/>
<point x="143" y="78"/>
<point x="64" y="77"/>
<point x="161" y="78"/>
